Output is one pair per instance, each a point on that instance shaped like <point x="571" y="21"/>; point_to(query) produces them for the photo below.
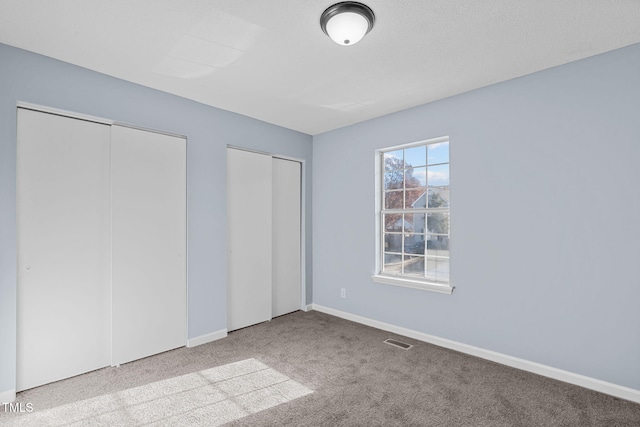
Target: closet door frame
<point x="303" y="212"/>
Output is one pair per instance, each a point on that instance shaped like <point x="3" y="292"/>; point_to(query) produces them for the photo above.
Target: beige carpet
<point x="312" y="369"/>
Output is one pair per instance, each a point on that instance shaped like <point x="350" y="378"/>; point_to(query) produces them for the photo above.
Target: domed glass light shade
<point x="347" y="22"/>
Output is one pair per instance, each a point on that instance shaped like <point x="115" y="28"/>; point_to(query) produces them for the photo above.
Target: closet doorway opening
<point x="265" y="245"/>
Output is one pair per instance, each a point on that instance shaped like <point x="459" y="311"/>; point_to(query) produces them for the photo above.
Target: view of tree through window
<point x="415" y="212"/>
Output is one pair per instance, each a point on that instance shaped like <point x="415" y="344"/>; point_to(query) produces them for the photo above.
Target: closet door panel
<point x="248" y="238"/>
<point x="286" y="236"/>
<point x="63" y="324"/>
<point x="149" y="243"/>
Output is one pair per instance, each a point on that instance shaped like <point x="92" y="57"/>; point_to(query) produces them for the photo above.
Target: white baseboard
<point x="7" y="396"/>
<point x="308" y="307"/>
<point x="203" y="339"/>
<point x="537" y="368"/>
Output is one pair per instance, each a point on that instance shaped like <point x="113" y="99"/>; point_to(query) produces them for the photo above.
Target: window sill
<point x="415" y="284"/>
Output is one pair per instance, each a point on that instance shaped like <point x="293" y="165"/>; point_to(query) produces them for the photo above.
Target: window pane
<point x="438" y="223"/>
<point x="416" y="198"/>
<point x="392" y="264"/>
<point x="393" y="243"/>
<point x="438" y="153"/>
<point x="393" y="160"/>
<point x="415" y="177"/>
<point x="393" y="222"/>
<point x="414" y="223"/>
<point x="393" y="180"/>
<point x="438" y="269"/>
<point x="439" y="197"/>
<point x="414" y="266"/>
<point x="437" y="245"/>
<point x="393" y="199"/>
<point x="438" y="176"/>
<point x="414" y="243"/>
<point x="416" y="156"/>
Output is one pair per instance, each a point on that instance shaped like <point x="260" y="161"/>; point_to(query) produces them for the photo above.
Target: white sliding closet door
<point x="248" y="238"/>
<point x="286" y="236"/>
<point x="63" y="309"/>
<point x="149" y="243"/>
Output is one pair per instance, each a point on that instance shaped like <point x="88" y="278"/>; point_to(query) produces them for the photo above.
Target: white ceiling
<point x="269" y="59"/>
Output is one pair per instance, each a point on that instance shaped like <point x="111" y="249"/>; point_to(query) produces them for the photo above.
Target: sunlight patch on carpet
<point x="209" y="397"/>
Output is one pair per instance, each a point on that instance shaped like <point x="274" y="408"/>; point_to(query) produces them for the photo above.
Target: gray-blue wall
<point x="545" y="218"/>
<point x="32" y="78"/>
<point x="545" y="213"/>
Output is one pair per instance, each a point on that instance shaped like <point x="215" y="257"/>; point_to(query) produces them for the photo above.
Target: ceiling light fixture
<point x="347" y="22"/>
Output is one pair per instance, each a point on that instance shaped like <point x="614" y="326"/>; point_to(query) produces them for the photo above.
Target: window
<point x="413" y="215"/>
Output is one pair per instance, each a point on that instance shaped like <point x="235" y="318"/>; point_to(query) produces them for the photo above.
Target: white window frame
<point x="402" y="280"/>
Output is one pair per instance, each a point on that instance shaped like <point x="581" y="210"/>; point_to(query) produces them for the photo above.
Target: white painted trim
<point x="415" y="284"/>
<point x="307" y="307"/>
<point x="145" y="129"/>
<point x="303" y="235"/>
<point x="186" y="238"/>
<point x="414" y="144"/>
<point x="7" y="396"/>
<point x="90" y="118"/>
<point x="251" y="150"/>
<point x="65" y="113"/>
<point x="207" y="338"/>
<point x="622" y="392"/>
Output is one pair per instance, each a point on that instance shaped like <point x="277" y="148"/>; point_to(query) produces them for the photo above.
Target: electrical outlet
<point x="343" y="293"/>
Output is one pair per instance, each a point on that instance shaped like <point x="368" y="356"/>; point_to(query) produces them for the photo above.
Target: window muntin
<point x="414" y="213"/>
